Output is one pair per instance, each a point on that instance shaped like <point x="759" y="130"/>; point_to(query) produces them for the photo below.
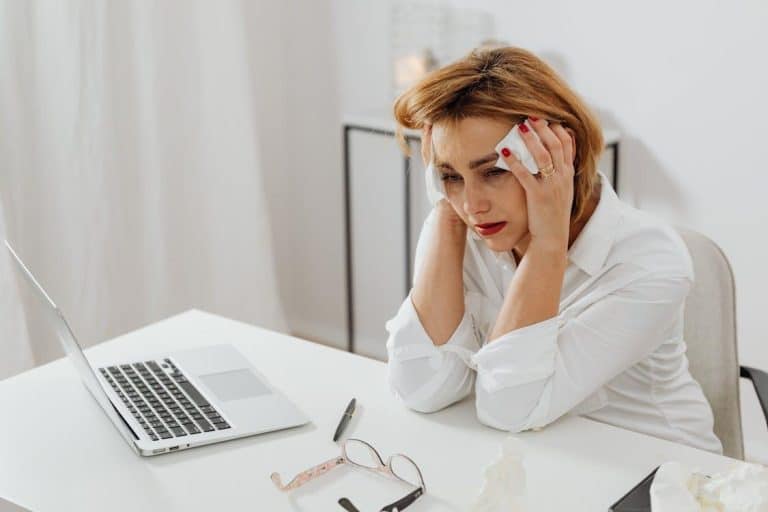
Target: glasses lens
<point x="362" y="454"/>
<point x="405" y="469"/>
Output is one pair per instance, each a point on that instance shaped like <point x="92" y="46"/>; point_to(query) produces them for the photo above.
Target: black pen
<point x="347" y="505"/>
<point x="344" y="420"/>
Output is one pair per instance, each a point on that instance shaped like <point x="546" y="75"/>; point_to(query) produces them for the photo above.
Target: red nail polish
<point x="523" y="128"/>
<point x="532" y="118"/>
<point x="506" y="152"/>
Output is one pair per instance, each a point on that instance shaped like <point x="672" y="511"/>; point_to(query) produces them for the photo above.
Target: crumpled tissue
<point x="504" y="489"/>
<point x="743" y="488"/>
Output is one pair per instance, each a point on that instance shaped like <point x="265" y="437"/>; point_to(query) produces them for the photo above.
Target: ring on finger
<point x="547" y="171"/>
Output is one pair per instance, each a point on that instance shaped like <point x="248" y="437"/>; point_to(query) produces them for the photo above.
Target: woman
<point x="544" y="291"/>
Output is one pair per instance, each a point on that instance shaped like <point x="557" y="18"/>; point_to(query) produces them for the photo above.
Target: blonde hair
<point x="511" y="84"/>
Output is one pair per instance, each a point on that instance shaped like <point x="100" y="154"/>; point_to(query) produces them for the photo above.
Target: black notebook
<point x="638" y="499"/>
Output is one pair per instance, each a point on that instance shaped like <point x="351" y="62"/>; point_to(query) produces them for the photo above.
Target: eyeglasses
<point x="358" y="453"/>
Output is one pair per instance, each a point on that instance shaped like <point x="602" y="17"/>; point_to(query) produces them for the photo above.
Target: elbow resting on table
<point x="429" y="393"/>
<point x="425" y="406"/>
<point x="510" y="409"/>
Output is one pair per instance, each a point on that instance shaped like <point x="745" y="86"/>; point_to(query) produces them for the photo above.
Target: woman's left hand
<point x="549" y="198"/>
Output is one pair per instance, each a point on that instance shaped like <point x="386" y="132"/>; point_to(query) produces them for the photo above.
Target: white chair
<point x="710" y="333"/>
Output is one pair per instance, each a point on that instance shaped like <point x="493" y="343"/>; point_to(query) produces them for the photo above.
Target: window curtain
<point x="131" y="168"/>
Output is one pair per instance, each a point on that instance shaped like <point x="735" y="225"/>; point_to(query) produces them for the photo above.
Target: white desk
<point x="79" y="462"/>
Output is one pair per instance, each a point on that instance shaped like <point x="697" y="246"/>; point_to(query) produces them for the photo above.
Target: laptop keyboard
<point x="165" y="406"/>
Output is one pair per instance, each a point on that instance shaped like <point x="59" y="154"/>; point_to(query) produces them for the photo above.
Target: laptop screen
<point x="71" y="347"/>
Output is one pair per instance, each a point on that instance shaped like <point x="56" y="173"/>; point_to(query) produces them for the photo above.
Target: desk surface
<point x="59" y="452"/>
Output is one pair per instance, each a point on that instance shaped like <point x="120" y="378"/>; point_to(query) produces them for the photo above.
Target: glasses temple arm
<point x="403" y="502"/>
<point x="309" y="474"/>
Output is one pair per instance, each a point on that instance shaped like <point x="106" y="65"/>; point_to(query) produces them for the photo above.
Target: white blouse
<point x="615" y="352"/>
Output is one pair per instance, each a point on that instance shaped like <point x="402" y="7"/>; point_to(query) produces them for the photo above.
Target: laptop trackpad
<point x="234" y="385"/>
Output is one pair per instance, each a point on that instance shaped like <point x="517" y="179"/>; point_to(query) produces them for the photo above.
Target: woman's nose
<point x="474" y="200"/>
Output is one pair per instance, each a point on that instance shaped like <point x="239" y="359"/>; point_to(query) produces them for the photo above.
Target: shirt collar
<point x="591" y="247"/>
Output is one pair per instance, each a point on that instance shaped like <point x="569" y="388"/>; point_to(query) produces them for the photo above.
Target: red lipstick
<point x="490" y="229"/>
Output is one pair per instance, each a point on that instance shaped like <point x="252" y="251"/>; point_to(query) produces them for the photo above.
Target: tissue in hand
<point x="515" y="143"/>
<point x="743" y="488"/>
<point x="504" y="487"/>
<point x="435" y="188"/>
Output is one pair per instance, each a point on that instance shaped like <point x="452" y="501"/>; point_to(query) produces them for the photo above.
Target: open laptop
<point x="179" y="400"/>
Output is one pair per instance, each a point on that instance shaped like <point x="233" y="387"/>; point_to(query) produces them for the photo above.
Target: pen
<point x="350" y="410"/>
<point x="347" y="505"/>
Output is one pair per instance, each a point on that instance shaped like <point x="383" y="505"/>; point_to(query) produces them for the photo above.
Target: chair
<point x="710" y="333"/>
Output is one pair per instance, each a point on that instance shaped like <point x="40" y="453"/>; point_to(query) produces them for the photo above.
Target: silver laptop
<point x="179" y="400"/>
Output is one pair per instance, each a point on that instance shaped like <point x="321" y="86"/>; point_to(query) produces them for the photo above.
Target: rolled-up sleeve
<point x="424" y="376"/>
<point x="531" y="376"/>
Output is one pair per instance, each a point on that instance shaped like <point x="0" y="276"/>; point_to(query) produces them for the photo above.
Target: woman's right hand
<point x="438" y="293"/>
<point x="450" y="225"/>
<point x="448" y="221"/>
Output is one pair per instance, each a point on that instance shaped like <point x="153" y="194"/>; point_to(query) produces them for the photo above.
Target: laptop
<point x="175" y="401"/>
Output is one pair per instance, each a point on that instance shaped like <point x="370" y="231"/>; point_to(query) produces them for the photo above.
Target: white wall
<point x="302" y="151"/>
<point x="685" y="82"/>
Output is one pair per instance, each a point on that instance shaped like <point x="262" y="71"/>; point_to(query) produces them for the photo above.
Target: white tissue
<point x="743" y="488"/>
<point x="435" y="188"/>
<point x="674" y="489"/>
<point x="504" y="489"/>
<point x="515" y="143"/>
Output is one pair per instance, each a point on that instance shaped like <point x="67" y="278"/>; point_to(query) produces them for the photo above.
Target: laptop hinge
<point x="123" y="420"/>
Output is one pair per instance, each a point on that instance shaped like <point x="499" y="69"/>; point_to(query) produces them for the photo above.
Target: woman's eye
<point x="450" y="177"/>
<point x="496" y="171"/>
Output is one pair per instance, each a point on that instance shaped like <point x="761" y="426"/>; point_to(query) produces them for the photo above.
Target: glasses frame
<point x="382" y="467"/>
<point x="395" y="506"/>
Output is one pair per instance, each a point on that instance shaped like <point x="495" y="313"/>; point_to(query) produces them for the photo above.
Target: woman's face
<point x="480" y="193"/>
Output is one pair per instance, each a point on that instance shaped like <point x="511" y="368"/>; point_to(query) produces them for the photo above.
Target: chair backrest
<point x="710" y="333"/>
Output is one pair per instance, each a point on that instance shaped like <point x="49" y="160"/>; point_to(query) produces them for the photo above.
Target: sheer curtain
<point x="131" y="172"/>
